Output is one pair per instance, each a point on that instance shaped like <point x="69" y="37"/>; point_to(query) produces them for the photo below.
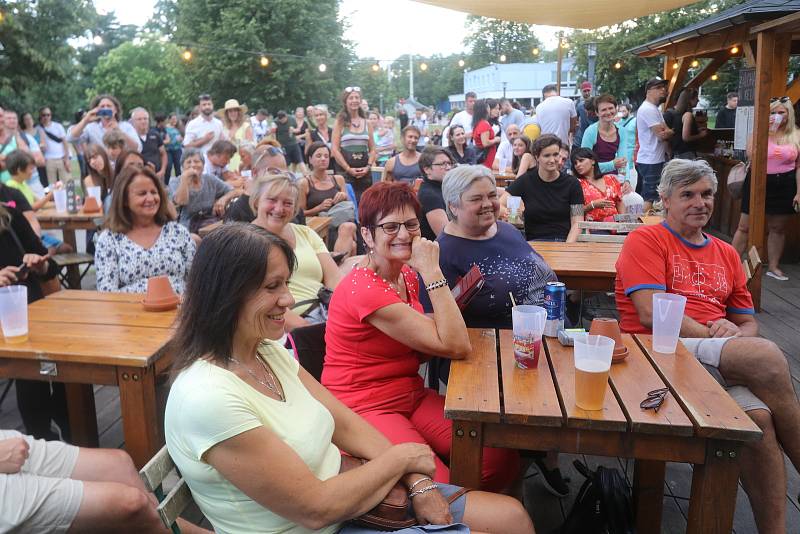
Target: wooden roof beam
<point x="793" y="90"/>
<point x="676" y="82"/>
<point x="788" y="23"/>
<point x="708" y="45"/>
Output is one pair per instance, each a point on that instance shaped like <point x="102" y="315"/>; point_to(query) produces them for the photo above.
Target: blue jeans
<point x="649" y="177"/>
<point x="173" y="162"/>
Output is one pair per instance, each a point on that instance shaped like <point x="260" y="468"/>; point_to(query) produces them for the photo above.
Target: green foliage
<point x="38" y="64"/>
<point x="295" y="32"/>
<point x="147" y="74"/>
<point x="628" y="81"/>
<point x="488" y="38"/>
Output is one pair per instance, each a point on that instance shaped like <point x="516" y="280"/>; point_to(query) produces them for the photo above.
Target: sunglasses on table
<point x="391" y="228"/>
<point x="654" y="399"/>
<point x="782" y="99"/>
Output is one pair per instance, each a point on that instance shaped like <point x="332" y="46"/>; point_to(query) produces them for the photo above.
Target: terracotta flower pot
<point x="160" y="295"/>
<point x="610" y="328"/>
<point x="91" y="205"/>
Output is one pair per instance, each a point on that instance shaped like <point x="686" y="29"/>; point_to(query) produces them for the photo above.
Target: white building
<point x="522" y="82"/>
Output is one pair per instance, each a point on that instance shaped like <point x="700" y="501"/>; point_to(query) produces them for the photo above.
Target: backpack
<point x="603" y="504"/>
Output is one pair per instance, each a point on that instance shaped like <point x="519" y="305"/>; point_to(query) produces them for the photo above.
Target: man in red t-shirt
<point x="718" y="326"/>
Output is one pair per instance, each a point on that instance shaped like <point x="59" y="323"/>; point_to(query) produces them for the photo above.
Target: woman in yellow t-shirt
<point x="258" y="440"/>
<point x="275" y="200"/>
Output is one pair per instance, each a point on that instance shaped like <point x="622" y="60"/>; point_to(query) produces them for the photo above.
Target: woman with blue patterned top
<point x="141" y="239"/>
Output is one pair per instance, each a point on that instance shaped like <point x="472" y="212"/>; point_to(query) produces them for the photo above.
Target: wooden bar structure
<point x="764" y="34"/>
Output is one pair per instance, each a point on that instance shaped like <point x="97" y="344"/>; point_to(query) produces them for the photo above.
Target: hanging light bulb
<point x="264" y="61"/>
<point x="535" y="51"/>
<point x="675" y="65"/>
<point x="2" y="16"/>
<point x="323" y="67"/>
<point x="97" y="40"/>
<point x="461" y="63"/>
<point x="564" y="44"/>
<point x="695" y="63"/>
<point x="423" y="66"/>
<point x="617" y="65"/>
<point x="503" y="58"/>
<point x="187" y="55"/>
<point x="375" y="67"/>
<point x="735" y="50"/>
<point x="714" y="77"/>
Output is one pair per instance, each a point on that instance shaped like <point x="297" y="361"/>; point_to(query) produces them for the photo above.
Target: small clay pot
<point x="91" y="205"/>
<point x="610" y="328"/>
<point x="160" y="295"/>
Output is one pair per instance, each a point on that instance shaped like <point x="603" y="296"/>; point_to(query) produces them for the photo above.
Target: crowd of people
<point x="257" y="436"/>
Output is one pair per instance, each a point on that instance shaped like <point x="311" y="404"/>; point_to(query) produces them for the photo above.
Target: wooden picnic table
<point x="493" y="403"/>
<point x="83" y="338"/>
<point x="590" y="266"/>
<point x="50" y="219"/>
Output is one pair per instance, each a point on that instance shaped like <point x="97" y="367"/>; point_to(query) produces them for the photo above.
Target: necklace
<point x="355" y="124"/>
<point x="270" y="385"/>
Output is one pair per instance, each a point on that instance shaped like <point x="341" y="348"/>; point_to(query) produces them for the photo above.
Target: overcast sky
<point x="384" y="29"/>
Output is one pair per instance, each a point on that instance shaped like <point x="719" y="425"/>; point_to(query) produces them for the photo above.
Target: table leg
<point x="73" y="271"/>
<point x="648" y="494"/>
<point x="466" y="454"/>
<point x="82" y="414"/>
<point x="137" y="396"/>
<point x="714" y="486"/>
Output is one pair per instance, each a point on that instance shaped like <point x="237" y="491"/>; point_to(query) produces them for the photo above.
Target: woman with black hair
<point x="602" y="194"/>
<point x="483" y="134"/>
<point x="458" y="148"/>
<point x="24" y="261"/>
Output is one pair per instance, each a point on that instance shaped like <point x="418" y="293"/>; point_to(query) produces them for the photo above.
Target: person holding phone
<point x="24" y="261"/>
<point x="103" y="117"/>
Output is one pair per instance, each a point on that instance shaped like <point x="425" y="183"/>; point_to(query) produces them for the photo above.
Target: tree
<point x="627" y="82"/>
<point x="488" y="39"/>
<point x="36" y="60"/>
<point x="147" y="74"/>
<point x="228" y="38"/>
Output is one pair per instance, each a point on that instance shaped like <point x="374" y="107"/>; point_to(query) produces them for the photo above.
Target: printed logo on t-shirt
<point x="706" y="281"/>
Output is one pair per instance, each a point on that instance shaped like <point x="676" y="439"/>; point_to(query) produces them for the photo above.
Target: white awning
<point x="568" y="13"/>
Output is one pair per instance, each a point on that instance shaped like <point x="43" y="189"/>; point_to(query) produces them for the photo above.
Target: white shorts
<point x="708" y="351"/>
<point x="41" y="497"/>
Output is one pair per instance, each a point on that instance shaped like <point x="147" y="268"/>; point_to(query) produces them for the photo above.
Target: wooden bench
<point x="601" y="238"/>
<point x="73" y="259"/>
<point x="177" y="499"/>
<point x="751" y="265"/>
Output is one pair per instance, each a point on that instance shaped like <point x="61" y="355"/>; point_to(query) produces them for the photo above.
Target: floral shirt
<point x="124" y="266"/>
<point x="613" y="193"/>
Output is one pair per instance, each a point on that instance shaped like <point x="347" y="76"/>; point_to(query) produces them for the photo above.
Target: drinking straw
<point x="512" y="298"/>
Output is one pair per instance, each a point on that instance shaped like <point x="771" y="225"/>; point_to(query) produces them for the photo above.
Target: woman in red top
<point x="483" y="134"/>
<point x="602" y="195"/>
<point x="377" y="334"/>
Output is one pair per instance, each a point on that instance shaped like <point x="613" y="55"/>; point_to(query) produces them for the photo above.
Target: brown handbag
<point x="392" y="512"/>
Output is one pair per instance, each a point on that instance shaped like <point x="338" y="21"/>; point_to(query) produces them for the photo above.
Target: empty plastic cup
<point x="667" y="317"/>
<point x="528" y="324"/>
<point x="592" y="362"/>
<point x="14" y="313"/>
<point x="60" y="197"/>
<point x="513" y="204"/>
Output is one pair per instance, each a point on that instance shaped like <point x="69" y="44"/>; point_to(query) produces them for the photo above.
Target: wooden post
<point x="676" y="81"/>
<point x="765" y="75"/>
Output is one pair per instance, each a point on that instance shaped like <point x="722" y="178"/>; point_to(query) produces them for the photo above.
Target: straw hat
<point x="233" y="104"/>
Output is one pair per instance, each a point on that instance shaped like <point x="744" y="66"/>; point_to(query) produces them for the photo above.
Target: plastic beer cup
<point x="513" y="204"/>
<point x="667" y="317"/>
<point x="592" y="362"/>
<point x="94" y="191"/>
<point x="60" y="198"/>
<point x="528" y="324"/>
<point x="14" y="313"/>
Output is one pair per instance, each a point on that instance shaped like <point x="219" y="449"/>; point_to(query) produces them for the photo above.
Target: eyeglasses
<point x="654" y="399"/>
<point x="351" y="89"/>
<point x="782" y="100"/>
<point x="45" y="115"/>
<point x="445" y="164"/>
<point x="391" y="228"/>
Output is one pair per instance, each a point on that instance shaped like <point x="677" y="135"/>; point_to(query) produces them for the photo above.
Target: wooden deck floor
<point x="779" y="321"/>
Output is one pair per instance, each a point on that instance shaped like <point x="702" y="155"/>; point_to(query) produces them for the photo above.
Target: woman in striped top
<point x="352" y="142"/>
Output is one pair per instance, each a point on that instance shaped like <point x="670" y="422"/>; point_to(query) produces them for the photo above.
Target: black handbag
<point x="202" y="219"/>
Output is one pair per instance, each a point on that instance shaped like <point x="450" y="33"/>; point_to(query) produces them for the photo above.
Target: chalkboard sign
<point x="747" y="87"/>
